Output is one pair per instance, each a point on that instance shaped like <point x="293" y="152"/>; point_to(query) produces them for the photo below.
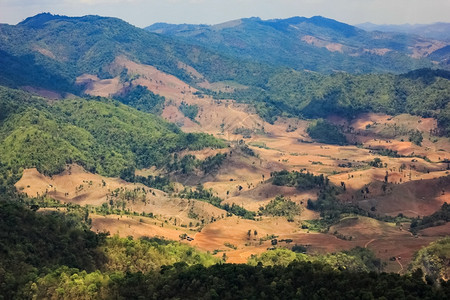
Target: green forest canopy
<point x="46" y="265"/>
<point x="102" y="135"/>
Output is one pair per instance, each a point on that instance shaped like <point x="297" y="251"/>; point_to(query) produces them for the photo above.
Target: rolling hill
<point x="102" y="135"/>
<point x="438" y="31"/>
<point x="316" y="44"/>
<point x="332" y="166"/>
<point x="54" y="52"/>
<point x="51" y="51"/>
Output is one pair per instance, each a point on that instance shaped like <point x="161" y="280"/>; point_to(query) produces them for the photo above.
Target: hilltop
<point x="51" y="51"/>
<point x="316" y="44"/>
<point x="438" y="31"/>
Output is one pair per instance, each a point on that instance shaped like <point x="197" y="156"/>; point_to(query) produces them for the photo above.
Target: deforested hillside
<point x="51" y="51"/>
<point x="109" y="57"/>
<point x="317" y="44"/>
<point x="298" y="158"/>
<point x="422" y="92"/>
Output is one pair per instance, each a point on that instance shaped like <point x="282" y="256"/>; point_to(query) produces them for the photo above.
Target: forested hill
<point x="317" y="44"/>
<point x="50" y="51"/>
<point x="422" y="92"/>
<point x="71" y="262"/>
<point x="102" y="135"/>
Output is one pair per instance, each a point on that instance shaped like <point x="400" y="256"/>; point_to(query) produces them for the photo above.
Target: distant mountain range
<point x="317" y="44"/>
<point x="438" y="31"/>
<point x="51" y="51"/>
<point x="265" y="60"/>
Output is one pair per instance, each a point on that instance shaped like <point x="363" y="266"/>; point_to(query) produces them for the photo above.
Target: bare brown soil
<point x="133" y="226"/>
<point x="77" y="186"/>
<point x="385" y="239"/>
<point x="415" y="185"/>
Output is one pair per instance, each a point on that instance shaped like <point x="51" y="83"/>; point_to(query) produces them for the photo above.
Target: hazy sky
<point x="146" y="12"/>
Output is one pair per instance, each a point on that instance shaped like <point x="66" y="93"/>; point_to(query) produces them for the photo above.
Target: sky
<point x="143" y="13"/>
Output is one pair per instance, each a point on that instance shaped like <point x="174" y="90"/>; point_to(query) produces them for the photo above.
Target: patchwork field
<point x="408" y="179"/>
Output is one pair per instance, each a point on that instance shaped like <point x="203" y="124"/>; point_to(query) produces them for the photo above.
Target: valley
<point x="418" y="182"/>
<point x="177" y="150"/>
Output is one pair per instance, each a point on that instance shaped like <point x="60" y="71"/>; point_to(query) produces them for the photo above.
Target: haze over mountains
<point x="317" y="44"/>
<point x="438" y="31"/>
<point x="52" y="51"/>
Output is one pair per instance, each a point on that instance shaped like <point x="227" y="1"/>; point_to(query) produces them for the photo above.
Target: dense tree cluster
<point x="301" y="180"/>
<point x="438" y="218"/>
<point x="69" y="261"/>
<point x="189" y="111"/>
<point x="281" y="42"/>
<point x="142" y="99"/>
<point x="311" y="95"/>
<point x="325" y="132"/>
<point x="31" y="243"/>
<point x="162" y="183"/>
<point x="433" y="260"/>
<point x="298" y="280"/>
<point x="281" y="207"/>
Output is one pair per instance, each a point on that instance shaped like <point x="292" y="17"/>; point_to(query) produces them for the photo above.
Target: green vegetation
<point x="186" y="165"/>
<point x="90" y="44"/>
<point x="325" y="132"/>
<point x="189" y="163"/>
<point x="327" y="203"/>
<point x="142" y="99"/>
<point x="200" y="193"/>
<point x="149" y="254"/>
<point x="330" y="208"/>
<point x="416" y="137"/>
<point x="273" y="90"/>
<point x="212" y="163"/>
<point x="245" y="132"/>
<point x="300" y="180"/>
<point x="102" y="135"/>
<point x="281" y="207"/>
<point x="376" y="162"/>
<point x="189" y="111"/>
<point x="239" y="211"/>
<point x="51" y="253"/>
<point x="158" y="182"/>
<point x="311" y="95"/>
<point x="433" y="261"/>
<point x="304" y="280"/>
<point x="356" y="260"/>
<point x="387" y="152"/>
<point x="32" y="243"/>
<point x="438" y="218"/>
<point x="69" y="261"/>
<point x="26" y="253"/>
<point x="278" y="42"/>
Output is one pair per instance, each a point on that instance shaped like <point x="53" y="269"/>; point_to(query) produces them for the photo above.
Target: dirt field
<point x="417" y="181"/>
<point x="78" y="186"/>
<point x="385" y="239"/>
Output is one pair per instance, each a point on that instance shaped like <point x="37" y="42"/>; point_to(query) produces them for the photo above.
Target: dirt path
<point x="401" y="266"/>
<point x="369" y="242"/>
<point x="182" y="211"/>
